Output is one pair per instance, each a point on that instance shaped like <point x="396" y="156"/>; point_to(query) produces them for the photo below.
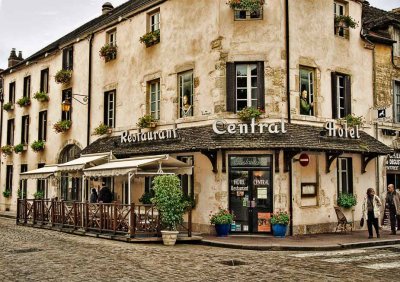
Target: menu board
<point x="263" y="222"/>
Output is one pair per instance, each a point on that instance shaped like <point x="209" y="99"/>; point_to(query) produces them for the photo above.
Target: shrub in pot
<point x="248" y="113"/>
<point x="222" y="221"/>
<point x="38" y="195"/>
<point x="8" y="106"/>
<point x="147" y="121"/>
<point x="108" y="52"/>
<point x="63" y="76"/>
<point x="248" y="5"/>
<point x="6" y="193"/>
<point x="20" y="148"/>
<point x="279" y="222"/>
<point x="41" y="96"/>
<point x="102" y="129"/>
<point x="24" y="102"/>
<point x="62" y="126"/>
<point x="38" y="145"/>
<point x="346" y="201"/>
<point x="7" y="149"/>
<point x="150" y="38"/>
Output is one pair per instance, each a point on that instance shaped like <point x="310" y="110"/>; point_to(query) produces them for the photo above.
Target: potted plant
<point x="147" y="121"/>
<point x="353" y="120"/>
<point x="7" y="149"/>
<point x="6" y="193"/>
<point x="248" y="113"/>
<point x="20" y="148"/>
<point x="151" y="38"/>
<point x="346" y="201"/>
<point x="248" y="5"/>
<point x="108" y="52"/>
<point x="222" y="221"/>
<point x="24" y="101"/>
<point x="63" y="76"/>
<point x="279" y="222"/>
<point x="41" y="96"/>
<point x="8" y="106"/>
<point x="102" y="129"/>
<point x="38" y="145"/>
<point x="168" y="199"/>
<point x="62" y="126"/>
<point x="38" y="195"/>
<point x="345" y="22"/>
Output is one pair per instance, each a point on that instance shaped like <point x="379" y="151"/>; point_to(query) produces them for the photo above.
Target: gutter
<point x="89" y="89"/>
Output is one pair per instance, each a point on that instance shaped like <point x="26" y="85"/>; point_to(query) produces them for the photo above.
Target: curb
<point x="8" y="216"/>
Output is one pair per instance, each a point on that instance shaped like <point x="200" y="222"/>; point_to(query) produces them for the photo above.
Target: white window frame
<point x="110" y="113"/>
<point x="249" y="99"/>
<point x="396" y="95"/>
<point x="112" y="37"/>
<point x="27" y="86"/>
<point x="341" y="99"/>
<point x="43" y="125"/>
<point x="25" y="125"/>
<point x="154" y="21"/>
<point x="155" y="92"/>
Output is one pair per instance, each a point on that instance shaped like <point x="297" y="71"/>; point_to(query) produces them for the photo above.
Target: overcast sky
<point x="29" y="25"/>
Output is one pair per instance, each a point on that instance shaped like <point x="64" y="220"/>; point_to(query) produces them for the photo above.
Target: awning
<point x="140" y="165"/>
<point x="84" y="161"/>
<point x="40" y="173"/>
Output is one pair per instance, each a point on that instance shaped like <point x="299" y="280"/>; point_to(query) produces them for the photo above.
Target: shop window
<point x="25" y="130"/>
<point x="345" y="175"/>
<point x="41" y="183"/>
<point x="245" y="86"/>
<point x="23" y="183"/>
<point x="68" y="58"/>
<point x="187" y="181"/>
<point x="185" y="81"/>
<point x="67" y="96"/>
<point x="339" y="9"/>
<point x="341" y="95"/>
<point x="42" y="132"/>
<point x="154" y="98"/>
<point x="396" y="109"/>
<point x="154" y="21"/>
<point x="307" y="89"/>
<point x="27" y="86"/>
<point x="11" y="93"/>
<point x="9" y="178"/>
<point x="10" y="132"/>
<point x="44" y="81"/>
<point x="109" y="108"/>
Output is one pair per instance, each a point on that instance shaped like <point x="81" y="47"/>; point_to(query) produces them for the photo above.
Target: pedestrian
<point x="371" y="212"/>
<point x="391" y="201"/>
<point x="105" y="195"/>
<point x="93" y="196"/>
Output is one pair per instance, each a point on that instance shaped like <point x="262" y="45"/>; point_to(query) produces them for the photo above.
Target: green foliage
<point x="168" y="199"/>
<point x="38" y="195"/>
<point x="24" y="101"/>
<point x="101" y="129"/>
<point x="6" y="193"/>
<point x="249" y="113"/>
<point x="38" y="145"/>
<point x="20" y="194"/>
<point x="7" y="149"/>
<point x="146" y="197"/>
<point x="62" y="126"/>
<point x="63" y="76"/>
<point x="347" y="21"/>
<point x="19" y="148"/>
<point x="249" y="5"/>
<point x="346" y="200"/>
<point x="108" y="52"/>
<point x="280" y="217"/>
<point x="223" y="216"/>
<point x="353" y="120"/>
<point x="8" y="106"/>
<point x="150" y="38"/>
<point x="145" y="121"/>
<point x="41" y="96"/>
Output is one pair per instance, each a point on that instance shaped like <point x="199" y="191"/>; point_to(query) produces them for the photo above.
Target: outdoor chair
<point x="342" y="221"/>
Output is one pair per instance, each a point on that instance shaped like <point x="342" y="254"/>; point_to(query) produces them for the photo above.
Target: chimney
<point x="13" y="59"/>
<point x="396" y="11"/>
<point x="20" y="56"/>
<point x="106" y="8"/>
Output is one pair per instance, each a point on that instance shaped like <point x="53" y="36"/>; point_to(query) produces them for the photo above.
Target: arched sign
<point x="304" y="160"/>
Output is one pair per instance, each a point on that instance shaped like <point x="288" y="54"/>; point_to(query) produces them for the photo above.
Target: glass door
<point x="239" y="200"/>
<point x="261" y="201"/>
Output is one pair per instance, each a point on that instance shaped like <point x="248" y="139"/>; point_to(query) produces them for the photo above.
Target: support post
<point x="62" y="213"/>
<point x="52" y="210"/>
<point x="132" y="221"/>
<point x="34" y="212"/>
<point x="25" y="211"/>
<point x="19" y="203"/>
<point x="190" y="223"/>
<point x="115" y="217"/>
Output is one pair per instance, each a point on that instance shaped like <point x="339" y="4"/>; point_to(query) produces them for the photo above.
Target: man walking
<point x="392" y="203"/>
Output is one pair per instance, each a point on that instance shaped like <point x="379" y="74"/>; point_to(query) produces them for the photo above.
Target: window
<point x="307" y="91"/>
<point x="27" y="86"/>
<point x="42" y="126"/>
<point x="248" y="14"/>
<point x="396" y="46"/>
<point x="25" y="130"/>
<point x="109" y="108"/>
<point x="11" y="93"/>
<point x="112" y="37"/>
<point x="187" y="181"/>
<point x="23" y="185"/>
<point x="44" y="81"/>
<point x="341" y="95"/>
<point x="10" y="132"/>
<point x="345" y="175"/>
<point x="245" y="86"/>
<point x="154" y="21"/>
<point x="9" y="178"/>
<point x="68" y="58"/>
<point x="41" y="183"/>
<point x="396" y="109"/>
<point x="339" y="9"/>
<point x="185" y="81"/>
<point x="154" y="99"/>
<point x="67" y="95"/>
<point x="148" y="183"/>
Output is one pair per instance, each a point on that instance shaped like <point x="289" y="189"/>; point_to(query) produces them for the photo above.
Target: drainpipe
<point x="89" y="88"/>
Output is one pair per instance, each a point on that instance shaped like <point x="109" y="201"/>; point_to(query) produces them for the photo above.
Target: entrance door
<point x="250" y="194"/>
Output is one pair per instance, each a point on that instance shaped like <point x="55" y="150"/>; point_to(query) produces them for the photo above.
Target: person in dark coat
<point x="105" y="195"/>
<point x="93" y="196"/>
<point x="391" y="200"/>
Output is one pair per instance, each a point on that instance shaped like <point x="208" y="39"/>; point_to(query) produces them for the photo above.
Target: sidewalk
<point x="315" y="242"/>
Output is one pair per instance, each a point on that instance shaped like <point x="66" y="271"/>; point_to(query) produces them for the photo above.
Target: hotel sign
<point x="342" y="132"/>
<point x="127" y="137"/>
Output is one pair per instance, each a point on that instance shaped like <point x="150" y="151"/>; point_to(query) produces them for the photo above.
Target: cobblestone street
<point x="28" y="254"/>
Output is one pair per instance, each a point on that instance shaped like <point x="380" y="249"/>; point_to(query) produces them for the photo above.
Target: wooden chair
<point x="342" y="221"/>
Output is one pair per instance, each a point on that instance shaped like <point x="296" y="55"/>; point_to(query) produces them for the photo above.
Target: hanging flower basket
<point x="62" y="126"/>
<point x="8" y="107"/>
<point x="147" y="121"/>
<point x="24" y="102"/>
<point x="63" y="76"/>
<point x="248" y="5"/>
<point x="41" y="96"/>
<point x="7" y="149"/>
<point x="20" y="148"/>
<point x="102" y="129"/>
<point x="248" y="113"/>
<point x="38" y="146"/>
<point x="151" y="38"/>
<point x="345" y="22"/>
<point x="108" y="52"/>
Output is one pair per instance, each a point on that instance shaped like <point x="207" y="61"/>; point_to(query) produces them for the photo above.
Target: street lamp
<point x="66" y="104"/>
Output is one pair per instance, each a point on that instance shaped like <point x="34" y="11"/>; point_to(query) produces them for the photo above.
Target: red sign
<point x="304" y="160"/>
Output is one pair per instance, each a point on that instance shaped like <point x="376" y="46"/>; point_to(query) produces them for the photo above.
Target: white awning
<point x="40" y="173"/>
<point x="84" y="161"/>
<point x="142" y="165"/>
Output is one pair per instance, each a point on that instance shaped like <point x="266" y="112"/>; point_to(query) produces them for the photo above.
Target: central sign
<point x="222" y="127"/>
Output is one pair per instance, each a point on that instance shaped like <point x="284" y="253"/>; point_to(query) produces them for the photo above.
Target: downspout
<point x="89" y="88"/>
<point x="1" y="114"/>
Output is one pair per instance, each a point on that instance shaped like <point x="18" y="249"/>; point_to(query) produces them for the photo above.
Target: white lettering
<point x="231" y="128"/>
<point x="343" y="132"/>
<point x="217" y="124"/>
<point x="124" y="136"/>
<point x="243" y="128"/>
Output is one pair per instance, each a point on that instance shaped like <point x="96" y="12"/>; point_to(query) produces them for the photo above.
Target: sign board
<point x="127" y="137"/>
<point x="304" y="160"/>
<point x="393" y="162"/>
<point x="342" y="131"/>
<point x="220" y="127"/>
<point x="263" y="222"/>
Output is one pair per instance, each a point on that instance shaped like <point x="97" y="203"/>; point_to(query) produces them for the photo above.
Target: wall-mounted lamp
<point x="66" y="104"/>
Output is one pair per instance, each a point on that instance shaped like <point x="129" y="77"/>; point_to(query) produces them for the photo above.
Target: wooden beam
<point x="365" y="159"/>
<point x="212" y="156"/>
<point x="288" y="156"/>
<point x="330" y="157"/>
<point x="276" y="164"/>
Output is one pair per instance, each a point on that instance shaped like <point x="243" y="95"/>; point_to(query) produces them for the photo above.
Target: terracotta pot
<point x="169" y="237"/>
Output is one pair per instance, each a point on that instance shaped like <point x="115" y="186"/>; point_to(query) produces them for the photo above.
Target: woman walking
<point x="371" y="211"/>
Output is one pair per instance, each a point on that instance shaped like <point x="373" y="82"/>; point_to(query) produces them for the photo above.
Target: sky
<point x="30" y="25"/>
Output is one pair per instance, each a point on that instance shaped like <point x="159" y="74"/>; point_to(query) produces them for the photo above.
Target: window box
<point x="247" y="9"/>
<point x="63" y="76"/>
<point x="62" y="126"/>
<point x="8" y="107"/>
<point x="6" y="193"/>
<point x="345" y="22"/>
<point x="24" y="102"/>
<point x="108" y="52"/>
<point x="248" y="113"/>
<point x="151" y="38"/>
<point x="38" y="146"/>
<point x="102" y="129"/>
<point x="351" y="120"/>
<point x="20" y="148"/>
<point x="7" y="149"/>
<point x="147" y="121"/>
<point x="41" y="96"/>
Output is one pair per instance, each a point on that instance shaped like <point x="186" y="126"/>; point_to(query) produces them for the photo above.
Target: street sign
<point x="304" y="160"/>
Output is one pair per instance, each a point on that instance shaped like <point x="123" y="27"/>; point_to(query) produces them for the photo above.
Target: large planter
<point x="169" y="237"/>
<point x="279" y="230"/>
<point x="222" y="229"/>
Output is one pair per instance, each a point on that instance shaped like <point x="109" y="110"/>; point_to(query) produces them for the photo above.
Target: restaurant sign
<point x="393" y="162"/>
<point x="127" y="137"/>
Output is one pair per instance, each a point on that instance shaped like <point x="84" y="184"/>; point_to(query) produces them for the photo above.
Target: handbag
<point x="362" y="222"/>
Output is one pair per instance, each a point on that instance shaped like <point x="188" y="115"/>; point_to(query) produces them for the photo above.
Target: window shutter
<point x="71" y="58"/>
<point x="334" y="95"/>
<point x="347" y="85"/>
<point x="105" y="108"/>
<point x="44" y="125"/>
<point x="350" y="171"/>
<point x="260" y="86"/>
<point x="230" y="87"/>
<point x="64" y="59"/>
